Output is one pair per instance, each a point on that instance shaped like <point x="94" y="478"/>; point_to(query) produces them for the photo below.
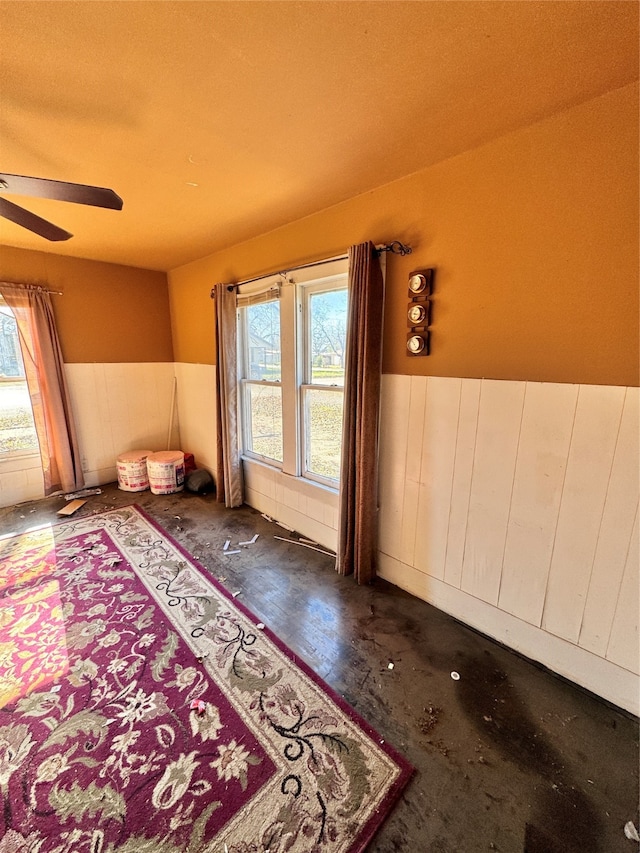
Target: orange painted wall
<point x="534" y="237"/>
<point x="107" y="313"/>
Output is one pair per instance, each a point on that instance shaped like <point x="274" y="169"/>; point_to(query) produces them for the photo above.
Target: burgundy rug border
<point x="407" y="770"/>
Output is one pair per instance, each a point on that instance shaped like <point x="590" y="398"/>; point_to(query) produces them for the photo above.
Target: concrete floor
<point x="509" y="758"/>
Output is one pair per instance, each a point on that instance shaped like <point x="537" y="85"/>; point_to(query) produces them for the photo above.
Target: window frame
<point x="295" y="289"/>
<point x="11" y="455"/>
<point x="245" y="382"/>
<point x="327" y="284"/>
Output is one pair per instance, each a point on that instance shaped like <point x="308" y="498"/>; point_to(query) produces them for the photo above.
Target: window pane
<point x="264" y="415"/>
<point x="17" y="430"/>
<point x="263" y="330"/>
<point x="328" y="336"/>
<point x="323" y="432"/>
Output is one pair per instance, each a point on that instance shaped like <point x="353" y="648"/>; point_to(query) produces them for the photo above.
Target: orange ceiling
<point x="218" y="121"/>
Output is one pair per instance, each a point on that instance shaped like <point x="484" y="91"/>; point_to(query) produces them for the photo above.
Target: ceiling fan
<point x="58" y="190"/>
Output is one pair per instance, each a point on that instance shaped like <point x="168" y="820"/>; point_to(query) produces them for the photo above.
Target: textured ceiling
<point x="218" y="121"/>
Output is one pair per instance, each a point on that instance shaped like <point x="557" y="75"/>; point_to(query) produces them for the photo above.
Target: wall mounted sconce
<point x="416" y="344"/>
<point x="419" y="312"/>
<point x="420" y="282"/>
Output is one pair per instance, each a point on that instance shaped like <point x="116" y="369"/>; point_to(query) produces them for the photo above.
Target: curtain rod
<point x="395" y="247"/>
<point x="39" y="286"/>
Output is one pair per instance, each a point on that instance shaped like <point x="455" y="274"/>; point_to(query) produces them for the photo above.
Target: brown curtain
<point x="44" y="369"/>
<point x="357" y="533"/>
<point x="229" y="484"/>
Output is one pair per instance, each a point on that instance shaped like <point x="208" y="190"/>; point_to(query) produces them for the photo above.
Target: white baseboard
<point x="600" y="676"/>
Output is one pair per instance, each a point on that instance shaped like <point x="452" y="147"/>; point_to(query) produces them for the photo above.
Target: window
<point x="325" y="335"/>
<point x="263" y="380"/>
<point x="292" y="340"/>
<point x="17" y="429"/>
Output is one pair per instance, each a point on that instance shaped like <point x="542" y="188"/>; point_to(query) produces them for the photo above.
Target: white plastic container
<point x="132" y="470"/>
<point x="166" y="472"/>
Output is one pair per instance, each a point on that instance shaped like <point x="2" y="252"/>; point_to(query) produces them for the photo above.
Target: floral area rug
<point x="144" y="710"/>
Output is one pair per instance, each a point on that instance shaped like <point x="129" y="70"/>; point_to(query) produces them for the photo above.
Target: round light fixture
<point x="415" y="344"/>
<point x="417" y="283"/>
<point x="416" y="314"/>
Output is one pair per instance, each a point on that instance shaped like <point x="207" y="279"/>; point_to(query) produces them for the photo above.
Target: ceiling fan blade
<point x="32" y="222"/>
<point x="60" y="191"/>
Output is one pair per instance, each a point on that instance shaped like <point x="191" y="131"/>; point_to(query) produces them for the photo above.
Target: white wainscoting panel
<point x="499" y="419"/>
<point x="623" y="647"/>
<point x="547" y="422"/>
<point x="310" y="509"/>
<point x="196" y="396"/>
<point x="394" y="429"/>
<point x="524" y="522"/>
<point x="120" y="407"/>
<point x="436" y="466"/>
<point x="412" y="467"/>
<point x="593" y="443"/>
<point x="20" y="480"/>
<point x="616" y="542"/>
<point x="464" y="429"/>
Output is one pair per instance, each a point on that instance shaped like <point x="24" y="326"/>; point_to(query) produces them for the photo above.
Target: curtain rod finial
<point x="396" y="248"/>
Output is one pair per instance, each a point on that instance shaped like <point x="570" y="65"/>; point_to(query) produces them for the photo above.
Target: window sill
<point x="16" y="461"/>
<point x="302" y="484"/>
